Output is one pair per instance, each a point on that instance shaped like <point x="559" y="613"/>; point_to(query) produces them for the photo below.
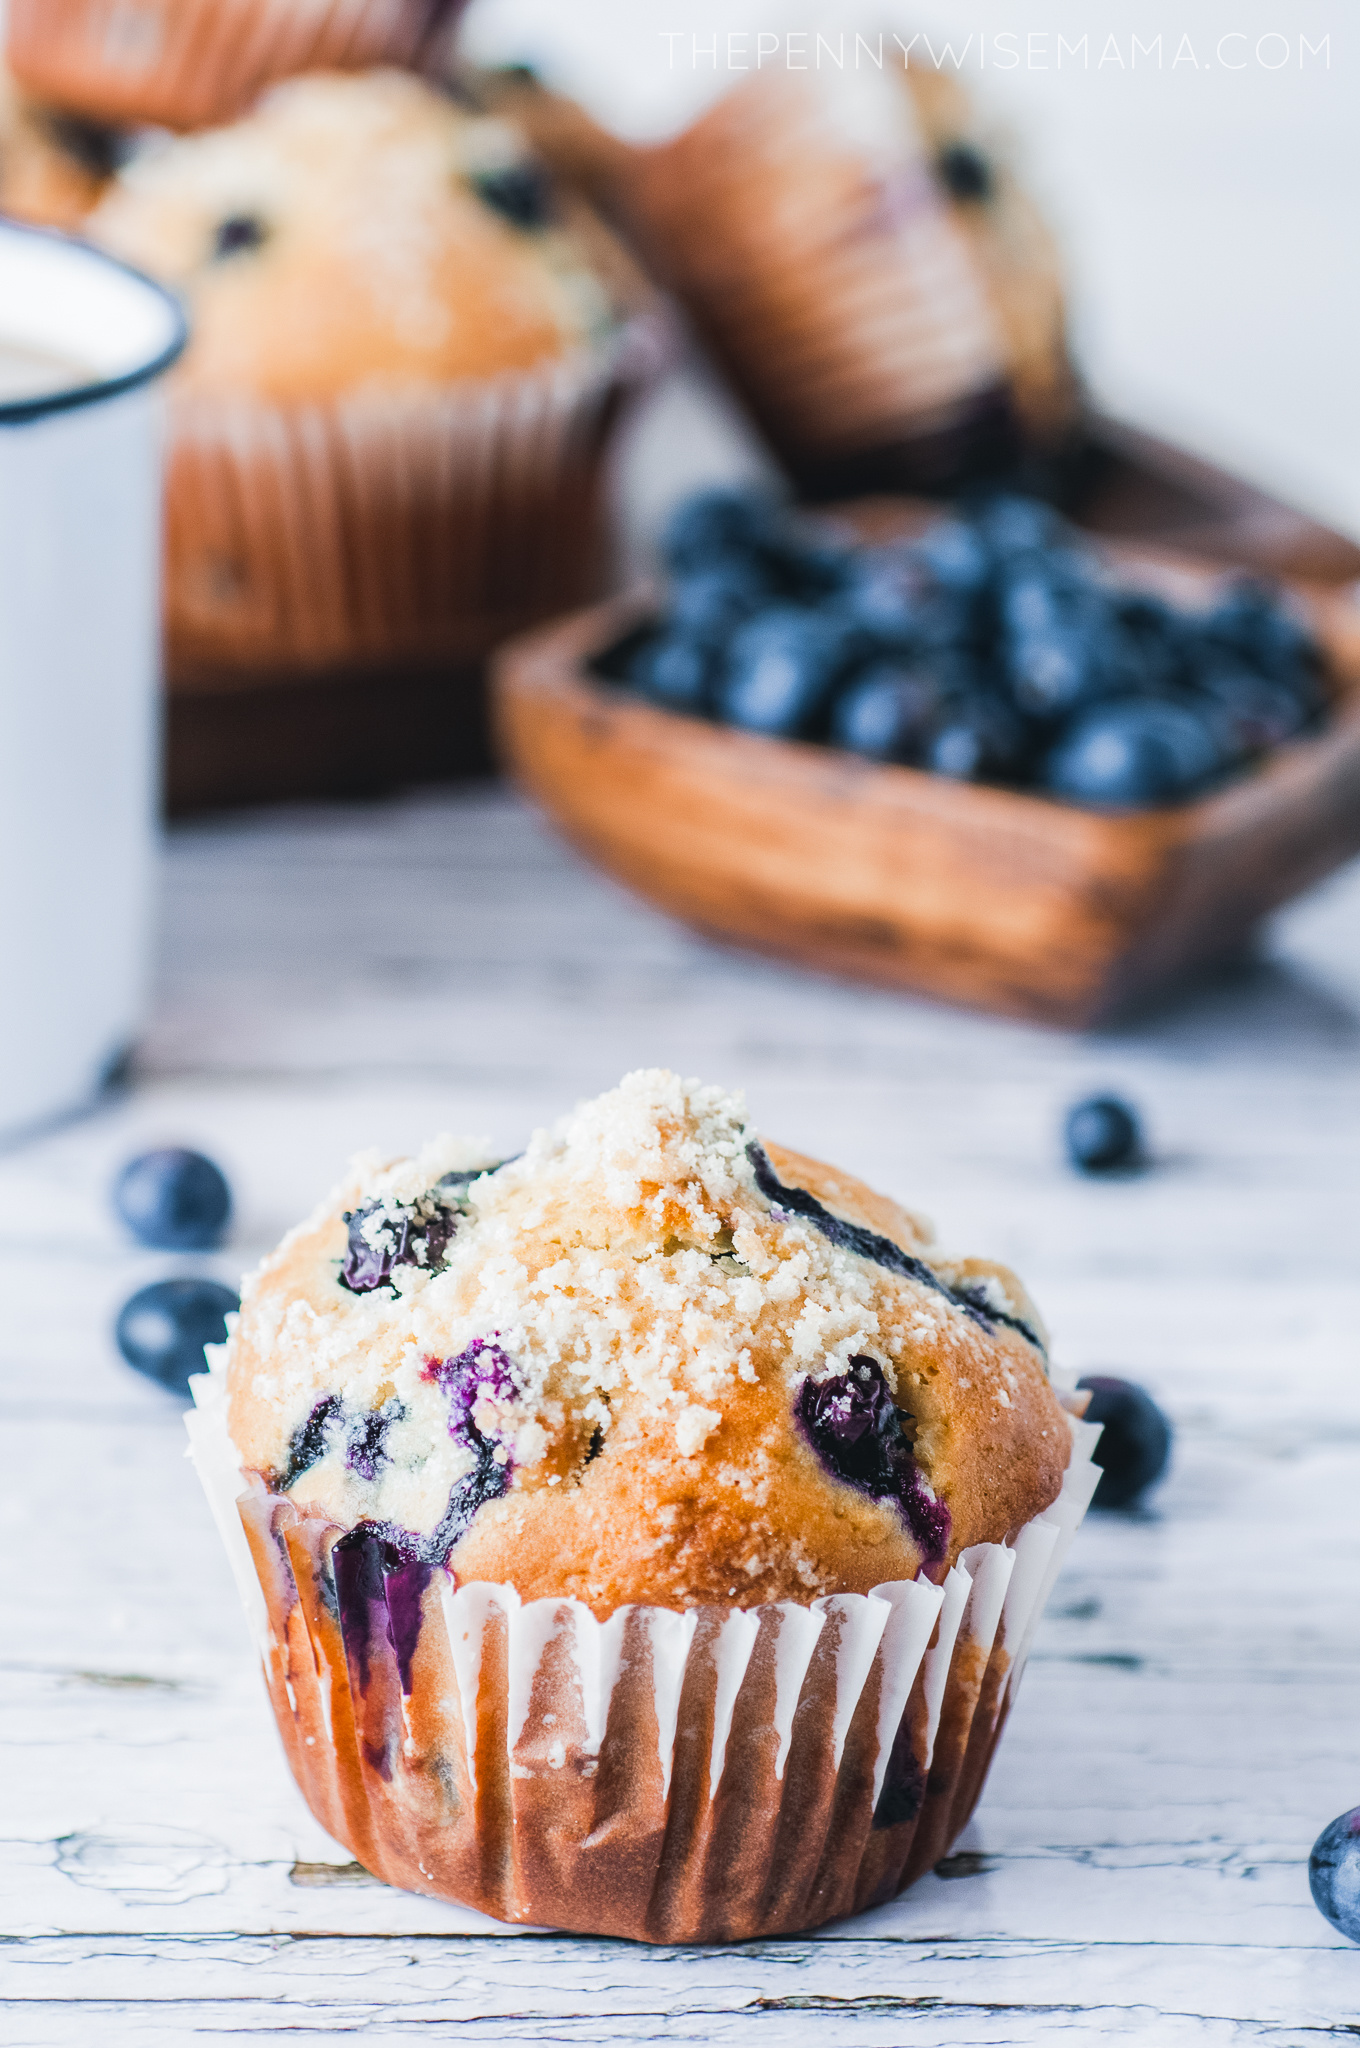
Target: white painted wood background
<point x="1189" y="1721"/>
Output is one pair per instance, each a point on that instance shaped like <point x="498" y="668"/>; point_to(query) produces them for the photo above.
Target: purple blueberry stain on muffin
<point x="483" y="1372"/>
<point x="386" y="1234"/>
<point x="311" y="1441"/>
<point x="366" y="1449"/>
<point x="405" y="1589"/>
<point x="380" y="1596"/>
<point x="855" y="1428"/>
<point x="476" y="1382"/>
<point x="974" y="1300"/>
<point x="328" y="1427"/>
<point x="904" y="1783"/>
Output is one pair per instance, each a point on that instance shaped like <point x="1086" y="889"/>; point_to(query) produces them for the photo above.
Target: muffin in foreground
<point x="644" y="1533"/>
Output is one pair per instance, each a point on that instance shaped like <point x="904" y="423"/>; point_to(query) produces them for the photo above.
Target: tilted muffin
<point x="885" y="298"/>
<point x="652" y="1375"/>
<point x="185" y="63"/>
<point x="405" y="365"/>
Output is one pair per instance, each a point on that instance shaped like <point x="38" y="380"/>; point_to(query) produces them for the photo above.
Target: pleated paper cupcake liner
<point x="816" y="252"/>
<point x="193" y="63"/>
<point x="711" y="1775"/>
<point x="371" y="530"/>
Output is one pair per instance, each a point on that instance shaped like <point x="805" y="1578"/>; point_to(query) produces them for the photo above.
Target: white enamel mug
<point x="80" y="536"/>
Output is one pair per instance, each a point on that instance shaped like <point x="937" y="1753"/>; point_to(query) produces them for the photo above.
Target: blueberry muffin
<point x="186" y="63"/>
<point x="389" y="428"/>
<point x="644" y="1533"/>
<point x="883" y="296"/>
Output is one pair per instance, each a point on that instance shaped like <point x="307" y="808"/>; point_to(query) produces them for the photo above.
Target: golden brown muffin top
<point x="355" y="232"/>
<point x="650" y="1359"/>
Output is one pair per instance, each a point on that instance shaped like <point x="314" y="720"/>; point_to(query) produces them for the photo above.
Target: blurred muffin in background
<point x="387" y="429"/>
<point x="185" y="63"/>
<point x="1012" y="246"/>
<point x="883" y="295"/>
<point x="53" y="165"/>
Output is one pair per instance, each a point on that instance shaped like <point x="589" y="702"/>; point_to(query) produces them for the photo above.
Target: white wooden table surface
<point x="1190" y="1718"/>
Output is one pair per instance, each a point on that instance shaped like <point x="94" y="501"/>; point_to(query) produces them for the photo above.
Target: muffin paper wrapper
<point x="831" y="276"/>
<point x="190" y="63"/>
<point x="374" y="530"/>
<point x="715" y="1774"/>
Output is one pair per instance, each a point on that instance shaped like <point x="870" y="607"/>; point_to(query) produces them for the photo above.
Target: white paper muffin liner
<point x="190" y="63"/>
<point x="374" y="530"/>
<point x="715" y="1774"/>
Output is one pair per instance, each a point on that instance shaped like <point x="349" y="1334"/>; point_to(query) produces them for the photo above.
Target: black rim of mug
<point x="18" y="412"/>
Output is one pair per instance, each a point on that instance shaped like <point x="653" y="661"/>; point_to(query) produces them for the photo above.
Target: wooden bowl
<point x="989" y="897"/>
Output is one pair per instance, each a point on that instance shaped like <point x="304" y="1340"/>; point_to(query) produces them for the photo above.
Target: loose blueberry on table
<point x="995" y="648"/>
<point x="1135" y="1441"/>
<point x="1334" y="1873"/>
<point x="162" y="1330"/>
<point x="173" y="1200"/>
<point x="1103" y="1135"/>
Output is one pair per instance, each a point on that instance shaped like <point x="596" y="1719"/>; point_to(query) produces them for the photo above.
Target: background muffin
<point x="186" y="63"/>
<point x="882" y="295"/>
<point x="388" y="431"/>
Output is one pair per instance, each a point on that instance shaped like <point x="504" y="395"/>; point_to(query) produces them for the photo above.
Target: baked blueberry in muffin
<point x="653" y="1359"/>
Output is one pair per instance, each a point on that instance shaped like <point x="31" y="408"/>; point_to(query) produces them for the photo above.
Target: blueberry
<point x="1135" y="1441"/>
<point x="782" y="668"/>
<point x="965" y="172"/>
<point x="856" y="1429"/>
<point x="1133" y="753"/>
<point x="886" y="711"/>
<point x="1061" y="639"/>
<point x="978" y="738"/>
<point x="1102" y="1133"/>
<point x="1013" y="526"/>
<point x="173" y="1200"/>
<point x="520" y="193"/>
<point x="311" y="1440"/>
<point x="1334" y="1873"/>
<point x="237" y="235"/>
<point x="385" y="1234"/>
<point x="708" y="604"/>
<point x="885" y="593"/>
<point x="956" y="554"/>
<point x="711" y="525"/>
<point x="162" y="1330"/>
<point x="1253" y="623"/>
<point x="1157" y="641"/>
<point x="1247" y="710"/>
<point x="677" y="671"/>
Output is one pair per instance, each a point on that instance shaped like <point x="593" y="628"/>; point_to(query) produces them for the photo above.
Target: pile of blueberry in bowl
<point x="994" y="648"/>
